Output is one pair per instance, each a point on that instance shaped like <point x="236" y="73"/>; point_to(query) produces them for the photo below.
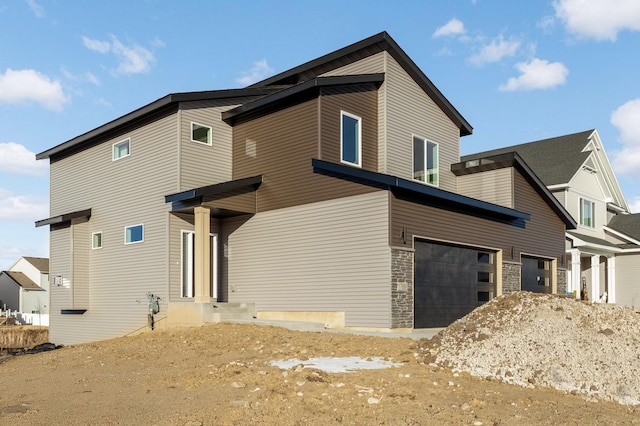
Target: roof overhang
<point x="597" y="245"/>
<point x="64" y="218"/>
<point x="418" y="192"/>
<point x="217" y="197"/>
<point x="512" y="159"/>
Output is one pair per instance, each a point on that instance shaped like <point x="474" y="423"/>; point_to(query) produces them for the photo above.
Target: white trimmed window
<point x="134" y="234"/>
<point x="96" y="240"/>
<point x="587" y="213"/>
<point x="121" y="149"/>
<point x="200" y="133"/>
<point x="425" y="161"/>
<point x="350" y="139"/>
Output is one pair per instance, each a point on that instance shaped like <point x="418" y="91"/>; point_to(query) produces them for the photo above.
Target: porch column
<point x="611" y="276"/>
<point x="595" y="278"/>
<point x="574" y="282"/>
<point x="202" y="255"/>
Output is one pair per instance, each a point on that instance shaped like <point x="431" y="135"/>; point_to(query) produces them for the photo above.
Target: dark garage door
<point x="449" y="282"/>
<point x="535" y="275"/>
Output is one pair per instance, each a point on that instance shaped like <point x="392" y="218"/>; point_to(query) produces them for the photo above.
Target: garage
<point x="535" y="275"/>
<point x="450" y="281"/>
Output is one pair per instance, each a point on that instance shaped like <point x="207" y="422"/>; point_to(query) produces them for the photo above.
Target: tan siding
<point x="627" y="285"/>
<point x="543" y="235"/>
<point x="494" y="186"/>
<point x="282" y="146"/>
<point x="369" y="65"/>
<point x="326" y="256"/>
<point x="203" y="164"/>
<point x="60" y="264"/>
<point x="80" y="279"/>
<point x="411" y="112"/>
<point x="120" y="193"/>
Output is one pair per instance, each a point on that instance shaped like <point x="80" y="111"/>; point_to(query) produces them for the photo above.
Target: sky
<point x="517" y="71"/>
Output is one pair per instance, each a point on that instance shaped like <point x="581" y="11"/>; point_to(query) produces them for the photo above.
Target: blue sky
<point x="517" y="71"/>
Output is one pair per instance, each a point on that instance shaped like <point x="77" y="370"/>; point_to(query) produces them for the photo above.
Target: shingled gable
<point x="360" y="50"/>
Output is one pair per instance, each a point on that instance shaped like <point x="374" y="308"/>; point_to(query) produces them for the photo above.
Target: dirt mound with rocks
<point x="541" y="340"/>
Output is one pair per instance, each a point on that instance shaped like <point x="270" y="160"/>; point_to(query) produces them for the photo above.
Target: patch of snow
<point x="338" y="364"/>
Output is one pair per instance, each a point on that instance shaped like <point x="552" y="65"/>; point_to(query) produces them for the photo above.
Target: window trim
<point x="425" y="142"/>
<point x="93" y="234"/>
<point x="209" y="135"/>
<point x="592" y="215"/>
<point x="113" y="149"/>
<point x="358" y="163"/>
<point x="133" y="226"/>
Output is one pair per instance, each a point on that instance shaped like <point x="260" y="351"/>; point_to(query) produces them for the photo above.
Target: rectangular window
<point x="425" y="161"/>
<point x="187" y="276"/>
<point x="96" y="240"/>
<point x="351" y="139"/>
<point x="200" y="133"/>
<point x="587" y="210"/>
<point x="134" y="234"/>
<point x="121" y="149"/>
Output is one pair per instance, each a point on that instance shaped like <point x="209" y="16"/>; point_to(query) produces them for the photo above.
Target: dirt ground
<point x="221" y="374"/>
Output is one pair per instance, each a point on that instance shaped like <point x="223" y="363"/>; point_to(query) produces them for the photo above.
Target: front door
<point x="187" y="264"/>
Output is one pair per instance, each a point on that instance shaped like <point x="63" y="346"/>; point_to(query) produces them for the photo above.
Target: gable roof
<point x="627" y="224"/>
<point x="370" y="46"/>
<point x="513" y="159"/>
<point x="40" y="263"/>
<point x="22" y="280"/>
<point x="555" y="160"/>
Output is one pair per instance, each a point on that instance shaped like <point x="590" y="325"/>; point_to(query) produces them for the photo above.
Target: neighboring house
<point x="329" y="191"/>
<point x="603" y="253"/>
<point x="24" y="287"/>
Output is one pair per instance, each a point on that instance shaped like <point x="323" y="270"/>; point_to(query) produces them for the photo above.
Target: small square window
<point x="200" y="133"/>
<point x="121" y="149"/>
<point x="134" y="234"/>
<point x="350" y="139"/>
<point x="96" y="240"/>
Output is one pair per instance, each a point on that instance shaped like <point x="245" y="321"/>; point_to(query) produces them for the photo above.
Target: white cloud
<point x="496" y="50"/>
<point x="132" y="59"/>
<point x="626" y="119"/>
<point x="598" y="19"/>
<point x="15" y="158"/>
<point x="21" y="207"/>
<point x="260" y="71"/>
<point x="36" y="8"/>
<point x="29" y="85"/>
<point x="451" y="28"/>
<point x="536" y="74"/>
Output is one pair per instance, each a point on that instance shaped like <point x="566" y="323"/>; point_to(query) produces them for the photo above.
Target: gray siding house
<point x="328" y="192"/>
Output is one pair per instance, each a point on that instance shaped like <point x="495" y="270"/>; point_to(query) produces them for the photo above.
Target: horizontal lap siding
<point x="627" y="285"/>
<point x="495" y="186"/>
<point x="410" y="111"/>
<point x="326" y="256"/>
<point x="120" y="193"/>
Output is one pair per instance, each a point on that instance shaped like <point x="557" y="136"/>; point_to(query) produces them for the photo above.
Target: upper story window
<point x="201" y="133"/>
<point x="425" y="160"/>
<point x="134" y="234"/>
<point x="96" y="240"/>
<point x="121" y="149"/>
<point x="587" y="213"/>
<point x="350" y="140"/>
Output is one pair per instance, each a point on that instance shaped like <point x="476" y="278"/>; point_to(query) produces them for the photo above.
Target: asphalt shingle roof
<point x="628" y="224"/>
<point x="22" y="280"/>
<point x="41" y="263"/>
<point x="554" y="160"/>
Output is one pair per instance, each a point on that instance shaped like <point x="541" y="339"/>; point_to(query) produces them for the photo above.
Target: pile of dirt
<point x="532" y="340"/>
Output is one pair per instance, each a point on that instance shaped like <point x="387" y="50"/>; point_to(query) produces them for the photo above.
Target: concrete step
<point x="234" y="310"/>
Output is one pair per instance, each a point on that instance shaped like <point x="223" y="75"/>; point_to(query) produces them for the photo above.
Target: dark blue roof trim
<point x="418" y="192"/>
<point x="68" y="217"/>
<point x="232" y="185"/>
<point x="72" y="311"/>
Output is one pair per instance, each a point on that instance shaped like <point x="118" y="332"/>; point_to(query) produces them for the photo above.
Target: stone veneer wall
<point x="511" y="277"/>
<point x="401" y="287"/>
<point x="562" y="281"/>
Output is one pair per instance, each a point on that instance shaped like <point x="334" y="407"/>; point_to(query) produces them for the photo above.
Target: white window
<point x="425" y="160"/>
<point x="587" y="211"/>
<point x="134" y="234"/>
<point x="96" y="240"/>
<point x="121" y="149"/>
<point x="350" y="139"/>
<point x="187" y="275"/>
<point x="200" y="133"/>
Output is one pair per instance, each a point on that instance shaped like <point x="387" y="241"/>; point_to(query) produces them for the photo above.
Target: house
<point x="603" y="252"/>
<point x="326" y="192"/>
<point x="24" y="287"/>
